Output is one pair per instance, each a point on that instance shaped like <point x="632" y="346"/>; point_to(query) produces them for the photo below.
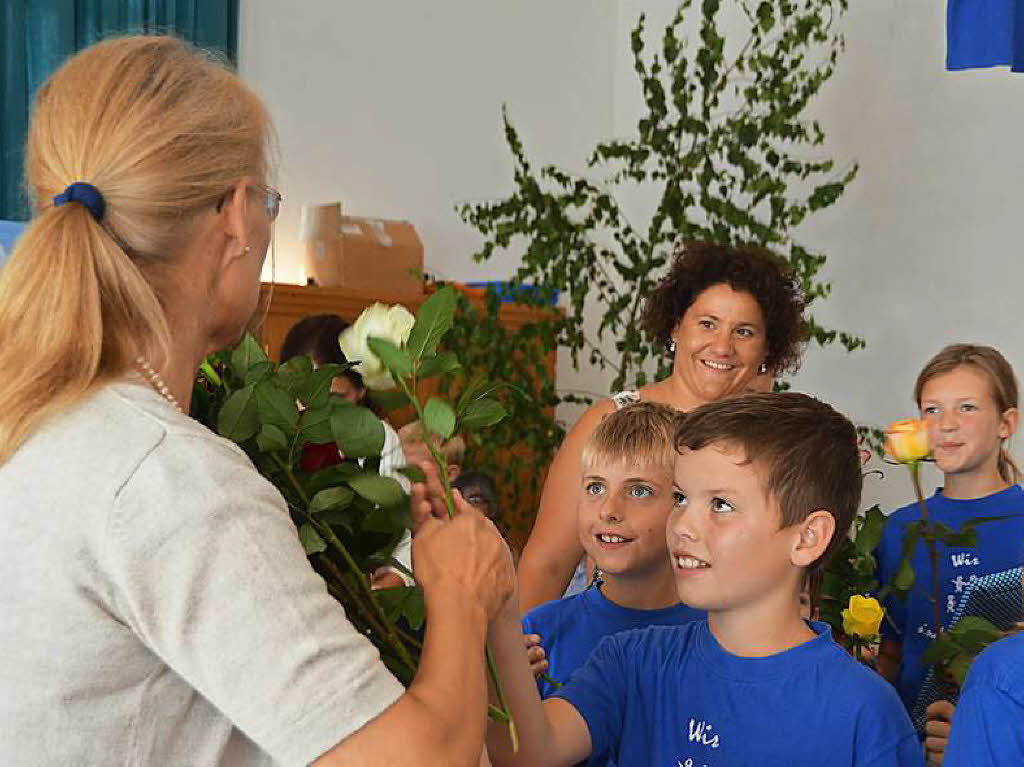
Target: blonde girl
<point x="157" y="606"/>
<point x="968" y="398"/>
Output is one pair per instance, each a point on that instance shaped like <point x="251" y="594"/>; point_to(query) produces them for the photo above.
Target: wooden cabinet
<point x="284" y="305"/>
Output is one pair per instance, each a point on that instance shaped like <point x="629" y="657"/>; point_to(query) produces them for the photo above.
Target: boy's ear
<point x="815" y="534"/>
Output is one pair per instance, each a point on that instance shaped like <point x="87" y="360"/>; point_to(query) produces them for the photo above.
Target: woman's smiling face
<point x="720" y="343"/>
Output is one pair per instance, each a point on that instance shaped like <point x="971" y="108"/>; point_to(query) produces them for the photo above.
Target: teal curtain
<point x="37" y="35"/>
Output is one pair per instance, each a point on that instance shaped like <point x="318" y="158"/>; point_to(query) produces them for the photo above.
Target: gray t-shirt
<point x="157" y="607"/>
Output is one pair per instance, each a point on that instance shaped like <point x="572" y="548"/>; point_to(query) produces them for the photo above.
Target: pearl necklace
<point x="156" y="381"/>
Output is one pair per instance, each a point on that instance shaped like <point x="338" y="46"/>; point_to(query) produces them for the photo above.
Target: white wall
<point x="394" y="108"/>
<point x="925" y="247"/>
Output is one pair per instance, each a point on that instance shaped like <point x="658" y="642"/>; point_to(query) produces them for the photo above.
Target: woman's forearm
<point x="441" y="718"/>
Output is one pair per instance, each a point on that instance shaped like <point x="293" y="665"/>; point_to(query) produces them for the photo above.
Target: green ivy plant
<point x="348" y="517"/>
<point x="953" y="651"/>
<point x="724" y="145"/>
<point x="851" y="571"/>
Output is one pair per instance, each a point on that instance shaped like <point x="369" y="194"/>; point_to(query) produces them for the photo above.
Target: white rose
<point x="393" y="323"/>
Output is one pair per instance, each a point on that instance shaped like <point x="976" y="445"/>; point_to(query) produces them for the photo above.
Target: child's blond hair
<point x="453" y="449"/>
<point x="641" y="434"/>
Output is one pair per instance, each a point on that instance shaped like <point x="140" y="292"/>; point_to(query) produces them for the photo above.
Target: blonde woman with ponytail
<point x="968" y="398"/>
<point x="158" y="608"/>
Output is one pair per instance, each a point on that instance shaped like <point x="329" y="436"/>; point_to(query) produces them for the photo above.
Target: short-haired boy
<point x="626" y="496"/>
<point x="767" y="483"/>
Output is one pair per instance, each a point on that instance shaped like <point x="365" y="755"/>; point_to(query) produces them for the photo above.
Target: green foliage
<point x="348" y="517"/>
<point x="409" y="365"/>
<point x="953" y="652"/>
<point x="725" y="145"/>
<point x="528" y="396"/>
<point x="852" y="569"/>
<point x="726" y="149"/>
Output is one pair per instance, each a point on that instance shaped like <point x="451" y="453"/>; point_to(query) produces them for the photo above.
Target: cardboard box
<point x="365" y="254"/>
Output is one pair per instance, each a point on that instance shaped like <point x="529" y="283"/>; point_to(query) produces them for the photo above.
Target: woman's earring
<point x="672" y="347"/>
<point x="248" y="248"/>
<point x="762" y="369"/>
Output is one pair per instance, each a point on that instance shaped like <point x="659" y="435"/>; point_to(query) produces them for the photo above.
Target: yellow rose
<point x="391" y="322"/>
<point x="907" y="441"/>
<point x="863" y="617"/>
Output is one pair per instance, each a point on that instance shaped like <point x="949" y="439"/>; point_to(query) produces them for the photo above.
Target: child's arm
<point x="890" y="654"/>
<point x="552" y="734"/>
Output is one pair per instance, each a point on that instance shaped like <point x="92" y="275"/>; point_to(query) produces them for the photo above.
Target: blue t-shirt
<point x="984" y="33"/>
<point x="671" y="695"/>
<point x="1000" y="547"/>
<point x="988" y="726"/>
<point x="570" y="628"/>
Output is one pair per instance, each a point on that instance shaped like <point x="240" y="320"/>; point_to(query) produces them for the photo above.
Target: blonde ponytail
<point x="162" y="131"/>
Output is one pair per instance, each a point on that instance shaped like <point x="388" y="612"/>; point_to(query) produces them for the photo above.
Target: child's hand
<point x="938" y="721"/>
<point x="536" y="654"/>
<point x="1017" y="628"/>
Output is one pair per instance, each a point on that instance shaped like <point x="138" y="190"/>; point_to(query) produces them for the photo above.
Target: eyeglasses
<point x="271" y="200"/>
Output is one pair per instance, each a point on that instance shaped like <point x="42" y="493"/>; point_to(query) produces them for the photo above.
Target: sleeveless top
<point x="623" y="398"/>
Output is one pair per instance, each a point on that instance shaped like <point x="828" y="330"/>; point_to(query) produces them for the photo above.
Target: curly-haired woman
<point x="731" y="317"/>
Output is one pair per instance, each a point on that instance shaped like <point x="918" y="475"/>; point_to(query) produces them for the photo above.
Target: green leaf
<point x="314" y="426"/>
<point x="315" y="390"/>
<point x="974" y="632"/>
<point x="260" y="371"/>
<point x="388" y="400"/>
<point x="433" y="320"/>
<point x="331" y="476"/>
<point x="482" y="413"/>
<point x="940" y="651"/>
<point x="413" y="473"/>
<point x="870" y="533"/>
<point x="439" y="364"/>
<point x="383" y="491"/>
<point x="403" y="602"/>
<point x="245" y="355"/>
<point x="338" y="518"/>
<point x="330" y="499"/>
<point x="293" y="374"/>
<point x="276" y="406"/>
<point x="473" y="389"/>
<point x="382" y="520"/>
<point x="439" y="418"/>
<point x="394" y="359"/>
<point x="271" y="438"/>
<point x="311" y="540"/>
<point x="904" y="577"/>
<point x="357" y="431"/>
<point x="959" y="667"/>
<point x="239" y="417"/>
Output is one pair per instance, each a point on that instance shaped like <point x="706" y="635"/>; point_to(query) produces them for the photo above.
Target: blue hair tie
<point x="85" y="194"/>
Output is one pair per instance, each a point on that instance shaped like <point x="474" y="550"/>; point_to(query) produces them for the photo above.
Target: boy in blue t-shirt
<point x="988" y="727"/>
<point x="625" y="499"/>
<point x="767" y="484"/>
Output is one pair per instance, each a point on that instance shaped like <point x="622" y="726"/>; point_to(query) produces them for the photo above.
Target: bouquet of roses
<point x="347" y="516"/>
